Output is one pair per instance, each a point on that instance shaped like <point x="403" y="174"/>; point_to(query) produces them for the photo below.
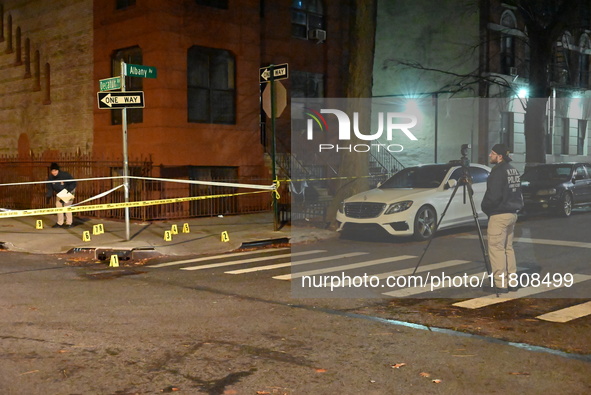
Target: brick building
<point x="202" y="115"/>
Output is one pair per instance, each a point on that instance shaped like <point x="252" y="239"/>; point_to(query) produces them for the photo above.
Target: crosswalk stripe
<point x="520" y="293"/>
<point x="561" y="243"/>
<point x="210" y="258"/>
<point x="294" y="263"/>
<point x="257" y="259"/>
<point x="411" y="291"/>
<point x="344" y="267"/>
<point x="568" y="313"/>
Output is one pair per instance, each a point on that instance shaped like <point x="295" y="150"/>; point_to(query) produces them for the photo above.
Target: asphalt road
<point x="72" y="327"/>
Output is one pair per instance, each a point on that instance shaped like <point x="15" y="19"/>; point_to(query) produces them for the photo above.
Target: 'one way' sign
<point x="117" y="100"/>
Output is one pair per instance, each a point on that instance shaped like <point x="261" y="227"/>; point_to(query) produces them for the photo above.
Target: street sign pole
<point x="274" y="148"/>
<point x="125" y="157"/>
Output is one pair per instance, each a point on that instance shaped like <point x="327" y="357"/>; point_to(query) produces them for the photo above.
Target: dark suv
<point x="557" y="186"/>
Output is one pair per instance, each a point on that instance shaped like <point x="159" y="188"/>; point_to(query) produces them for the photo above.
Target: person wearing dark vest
<point x="501" y="202"/>
<point x="64" y="188"/>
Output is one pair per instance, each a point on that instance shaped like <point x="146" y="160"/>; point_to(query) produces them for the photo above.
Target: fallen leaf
<point x="520" y="373"/>
<point x="29" y="372"/>
<point x="425" y="374"/>
<point x="320" y="370"/>
<point x="263" y="393"/>
<point x="62" y="351"/>
<point x="437" y="381"/>
<point x="398" y="365"/>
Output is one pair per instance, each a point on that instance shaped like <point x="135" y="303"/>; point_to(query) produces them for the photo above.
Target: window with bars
<point x="210" y="86"/>
<point x="132" y="55"/>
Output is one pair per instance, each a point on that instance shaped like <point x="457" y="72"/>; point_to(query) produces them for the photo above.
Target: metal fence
<point x="15" y="169"/>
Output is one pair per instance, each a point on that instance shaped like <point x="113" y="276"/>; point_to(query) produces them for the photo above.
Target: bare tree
<point x="545" y="22"/>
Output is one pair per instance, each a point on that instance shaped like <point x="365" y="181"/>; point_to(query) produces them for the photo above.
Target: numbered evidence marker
<point x="225" y="237"/>
<point x="39" y="224"/>
<point x="174" y="230"/>
<point x="114" y="261"/>
<point x="98" y="229"/>
<point x="167" y="235"/>
<point x="86" y="236"/>
<point x="186" y="228"/>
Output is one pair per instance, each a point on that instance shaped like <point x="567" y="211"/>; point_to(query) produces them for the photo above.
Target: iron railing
<point x="15" y="169"/>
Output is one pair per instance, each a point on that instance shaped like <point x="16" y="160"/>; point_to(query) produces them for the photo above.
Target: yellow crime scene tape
<point x="145" y="203"/>
<point x="111" y="206"/>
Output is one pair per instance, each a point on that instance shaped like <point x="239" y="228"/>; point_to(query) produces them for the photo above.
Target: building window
<point x="585" y="49"/>
<point x="508" y="22"/>
<point x="304" y="84"/>
<point x="564" y="139"/>
<point x="306" y="15"/>
<point x="210" y="86"/>
<point x="560" y="67"/>
<point x="121" y="4"/>
<point x="581" y="135"/>
<point x="132" y="55"/>
<point x="507" y="128"/>
<point x="223" y="4"/>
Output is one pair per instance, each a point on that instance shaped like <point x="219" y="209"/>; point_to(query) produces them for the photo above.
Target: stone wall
<point x="46" y="93"/>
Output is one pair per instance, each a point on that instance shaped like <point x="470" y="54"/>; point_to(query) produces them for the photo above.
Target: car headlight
<point x="398" y="207"/>
<point x="342" y="208"/>
<point x="546" y="192"/>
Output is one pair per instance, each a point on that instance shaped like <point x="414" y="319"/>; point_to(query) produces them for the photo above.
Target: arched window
<point x="306" y="16"/>
<point x="508" y="22"/>
<point x="585" y="46"/>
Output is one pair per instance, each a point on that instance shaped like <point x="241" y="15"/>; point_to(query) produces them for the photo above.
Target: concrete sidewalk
<point x="205" y="236"/>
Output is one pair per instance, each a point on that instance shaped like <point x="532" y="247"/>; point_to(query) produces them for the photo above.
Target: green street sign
<point x="138" y="70"/>
<point x="109" y="84"/>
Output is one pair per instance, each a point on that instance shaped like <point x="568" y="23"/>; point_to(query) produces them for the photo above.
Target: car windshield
<point x="546" y="173"/>
<point x="429" y="176"/>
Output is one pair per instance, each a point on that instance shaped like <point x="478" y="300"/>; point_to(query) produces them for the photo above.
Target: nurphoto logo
<point x="391" y="123"/>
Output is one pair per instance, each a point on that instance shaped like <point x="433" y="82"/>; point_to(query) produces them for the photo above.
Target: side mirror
<point x="451" y="183"/>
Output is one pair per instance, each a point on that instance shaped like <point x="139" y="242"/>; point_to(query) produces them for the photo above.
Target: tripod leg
<point x="485" y="255"/>
<point x="480" y="237"/>
<point x="436" y="227"/>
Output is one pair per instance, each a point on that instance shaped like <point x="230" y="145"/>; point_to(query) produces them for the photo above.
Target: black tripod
<point x="465" y="181"/>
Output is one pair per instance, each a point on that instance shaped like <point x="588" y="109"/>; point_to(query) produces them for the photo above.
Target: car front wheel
<point x="566" y="205"/>
<point x="425" y="222"/>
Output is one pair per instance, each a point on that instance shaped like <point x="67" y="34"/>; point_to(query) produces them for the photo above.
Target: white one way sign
<point x="116" y="100"/>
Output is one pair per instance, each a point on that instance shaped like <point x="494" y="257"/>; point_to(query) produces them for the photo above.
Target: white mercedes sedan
<point x="411" y="202"/>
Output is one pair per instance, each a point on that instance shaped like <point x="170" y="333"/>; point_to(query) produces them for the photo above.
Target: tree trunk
<point x="535" y="115"/>
<point x="354" y="165"/>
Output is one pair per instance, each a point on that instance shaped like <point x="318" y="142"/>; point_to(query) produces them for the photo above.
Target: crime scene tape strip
<point x="111" y="206"/>
<point x="327" y="178"/>
<point x="214" y="183"/>
<point x="100" y="195"/>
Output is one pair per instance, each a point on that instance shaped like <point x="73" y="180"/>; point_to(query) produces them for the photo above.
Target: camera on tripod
<point x="464" y="161"/>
